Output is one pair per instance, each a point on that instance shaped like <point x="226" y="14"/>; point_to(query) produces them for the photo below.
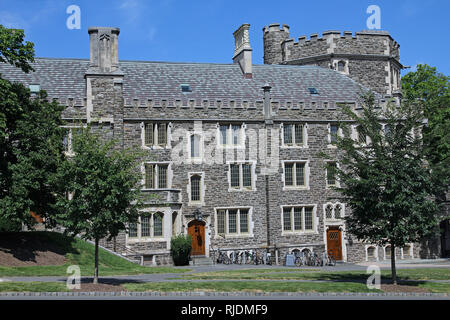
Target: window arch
<point x="158" y="224"/>
<point x="337" y="211"/>
<point x="195" y="188"/>
<point x="371" y="252"/>
<point x="341" y="66"/>
<point x="329" y="211"/>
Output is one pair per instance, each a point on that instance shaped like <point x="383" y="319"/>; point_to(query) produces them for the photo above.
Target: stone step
<point x="201" y="261"/>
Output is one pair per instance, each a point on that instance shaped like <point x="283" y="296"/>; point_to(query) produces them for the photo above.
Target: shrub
<point x="7" y="225"/>
<point x="180" y="247"/>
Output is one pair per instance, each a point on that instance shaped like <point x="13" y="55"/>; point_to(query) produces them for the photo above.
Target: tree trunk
<point x="96" y="262"/>
<point x="393" y="270"/>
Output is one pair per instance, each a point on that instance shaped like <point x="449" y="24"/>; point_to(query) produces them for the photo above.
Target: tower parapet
<point x="273" y="37"/>
<point x="370" y="57"/>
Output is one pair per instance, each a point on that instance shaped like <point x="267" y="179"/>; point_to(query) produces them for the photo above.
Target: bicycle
<point x="329" y="258"/>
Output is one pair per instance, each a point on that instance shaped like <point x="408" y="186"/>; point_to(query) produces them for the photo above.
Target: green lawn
<point x="304" y="274"/>
<point x="250" y="286"/>
<point x="33" y="287"/>
<point x="436" y="287"/>
<point x="81" y="253"/>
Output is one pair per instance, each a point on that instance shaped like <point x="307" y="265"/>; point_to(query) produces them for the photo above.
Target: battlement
<point x="276" y="27"/>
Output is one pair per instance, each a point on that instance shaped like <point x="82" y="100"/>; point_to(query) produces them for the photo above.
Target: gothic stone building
<point x="232" y="149"/>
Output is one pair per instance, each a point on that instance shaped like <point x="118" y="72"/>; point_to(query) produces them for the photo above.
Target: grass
<point x="436" y="287"/>
<point x="249" y="286"/>
<point x="33" y="287"/>
<point x="81" y="253"/>
<point x="305" y="274"/>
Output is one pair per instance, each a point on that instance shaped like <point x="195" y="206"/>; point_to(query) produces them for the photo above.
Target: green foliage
<point x="103" y="181"/>
<point x="14" y="51"/>
<point x="31" y="144"/>
<point x="180" y="247"/>
<point x="432" y="89"/>
<point x="386" y="182"/>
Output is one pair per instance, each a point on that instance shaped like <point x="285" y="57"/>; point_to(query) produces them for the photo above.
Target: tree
<point x="384" y="179"/>
<point x="14" y="51"/>
<point x="432" y="89"/>
<point x="30" y="140"/>
<point x="102" y="184"/>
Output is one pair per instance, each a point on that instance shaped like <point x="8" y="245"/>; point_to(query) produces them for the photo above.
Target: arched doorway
<point x="334" y="242"/>
<point x="196" y="229"/>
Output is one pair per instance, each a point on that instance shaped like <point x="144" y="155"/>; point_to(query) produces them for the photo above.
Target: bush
<point x="7" y="225"/>
<point x="180" y="247"/>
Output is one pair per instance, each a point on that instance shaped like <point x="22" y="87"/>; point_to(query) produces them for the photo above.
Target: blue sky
<point x="201" y="31"/>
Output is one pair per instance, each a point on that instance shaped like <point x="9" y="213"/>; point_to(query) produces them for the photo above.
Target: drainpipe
<point x="268" y="122"/>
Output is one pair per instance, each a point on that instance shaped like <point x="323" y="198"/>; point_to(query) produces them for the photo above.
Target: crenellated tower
<point x="369" y="57"/>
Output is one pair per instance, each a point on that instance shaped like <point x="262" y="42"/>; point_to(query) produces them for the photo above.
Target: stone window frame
<point x="339" y="133"/>
<point x="303" y="231"/>
<point x="202" y="190"/>
<point x="200" y="158"/>
<point x="252" y="163"/>
<point x="69" y="128"/>
<point x="229" y="144"/>
<point x="169" y="174"/>
<point x="335" y="64"/>
<point x="307" y="175"/>
<point x="333" y="208"/>
<point x="366" y="250"/>
<point x="304" y="145"/>
<point x="337" y="182"/>
<point x="168" y="144"/>
<point x="151" y="237"/>
<point x="410" y="254"/>
<point x="238" y="234"/>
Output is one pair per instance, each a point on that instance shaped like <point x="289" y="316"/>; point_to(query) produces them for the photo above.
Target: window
<point x="195" y="146"/>
<point x="295" y="174"/>
<point x="68" y="139"/>
<point x="156" y="176"/>
<point x="298" y="219"/>
<point x="241" y="176"/>
<point x="294" y="135"/>
<point x="333" y="212"/>
<point x="155" y="134"/>
<point x="233" y="221"/>
<point x="341" y="66"/>
<point x="334" y="129"/>
<point x="195" y="188"/>
<point x="387" y="252"/>
<point x="149" y="225"/>
<point x="371" y="252"/>
<point x="407" y="251"/>
<point x="331" y="174"/>
<point x="360" y="135"/>
<point x="231" y="135"/>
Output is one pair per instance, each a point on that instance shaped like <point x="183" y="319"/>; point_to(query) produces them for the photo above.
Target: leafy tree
<point x="432" y="89"/>
<point x="385" y="180"/>
<point x="102" y="184"/>
<point x="14" y="51"/>
<point x="30" y="140"/>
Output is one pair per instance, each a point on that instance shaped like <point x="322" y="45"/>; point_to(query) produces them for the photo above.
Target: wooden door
<point x="196" y="229"/>
<point x="334" y="242"/>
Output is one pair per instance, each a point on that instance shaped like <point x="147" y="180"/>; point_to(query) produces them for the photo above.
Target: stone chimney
<point x="104" y="50"/>
<point x="242" y="50"/>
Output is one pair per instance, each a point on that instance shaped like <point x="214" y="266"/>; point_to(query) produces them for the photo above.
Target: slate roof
<point x="64" y="78"/>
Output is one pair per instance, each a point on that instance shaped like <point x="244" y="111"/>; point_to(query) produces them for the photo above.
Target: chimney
<point x="242" y="50"/>
<point x="104" y="50"/>
<point x="267" y="105"/>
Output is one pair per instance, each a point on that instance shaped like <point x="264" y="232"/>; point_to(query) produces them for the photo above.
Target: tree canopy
<point x="30" y="140"/>
<point x="102" y="184"/>
<point x="383" y="175"/>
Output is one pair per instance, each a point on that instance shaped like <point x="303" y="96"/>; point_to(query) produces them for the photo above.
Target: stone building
<point x="232" y="149"/>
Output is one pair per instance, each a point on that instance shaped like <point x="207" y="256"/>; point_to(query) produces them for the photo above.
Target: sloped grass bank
<point x="81" y="253"/>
